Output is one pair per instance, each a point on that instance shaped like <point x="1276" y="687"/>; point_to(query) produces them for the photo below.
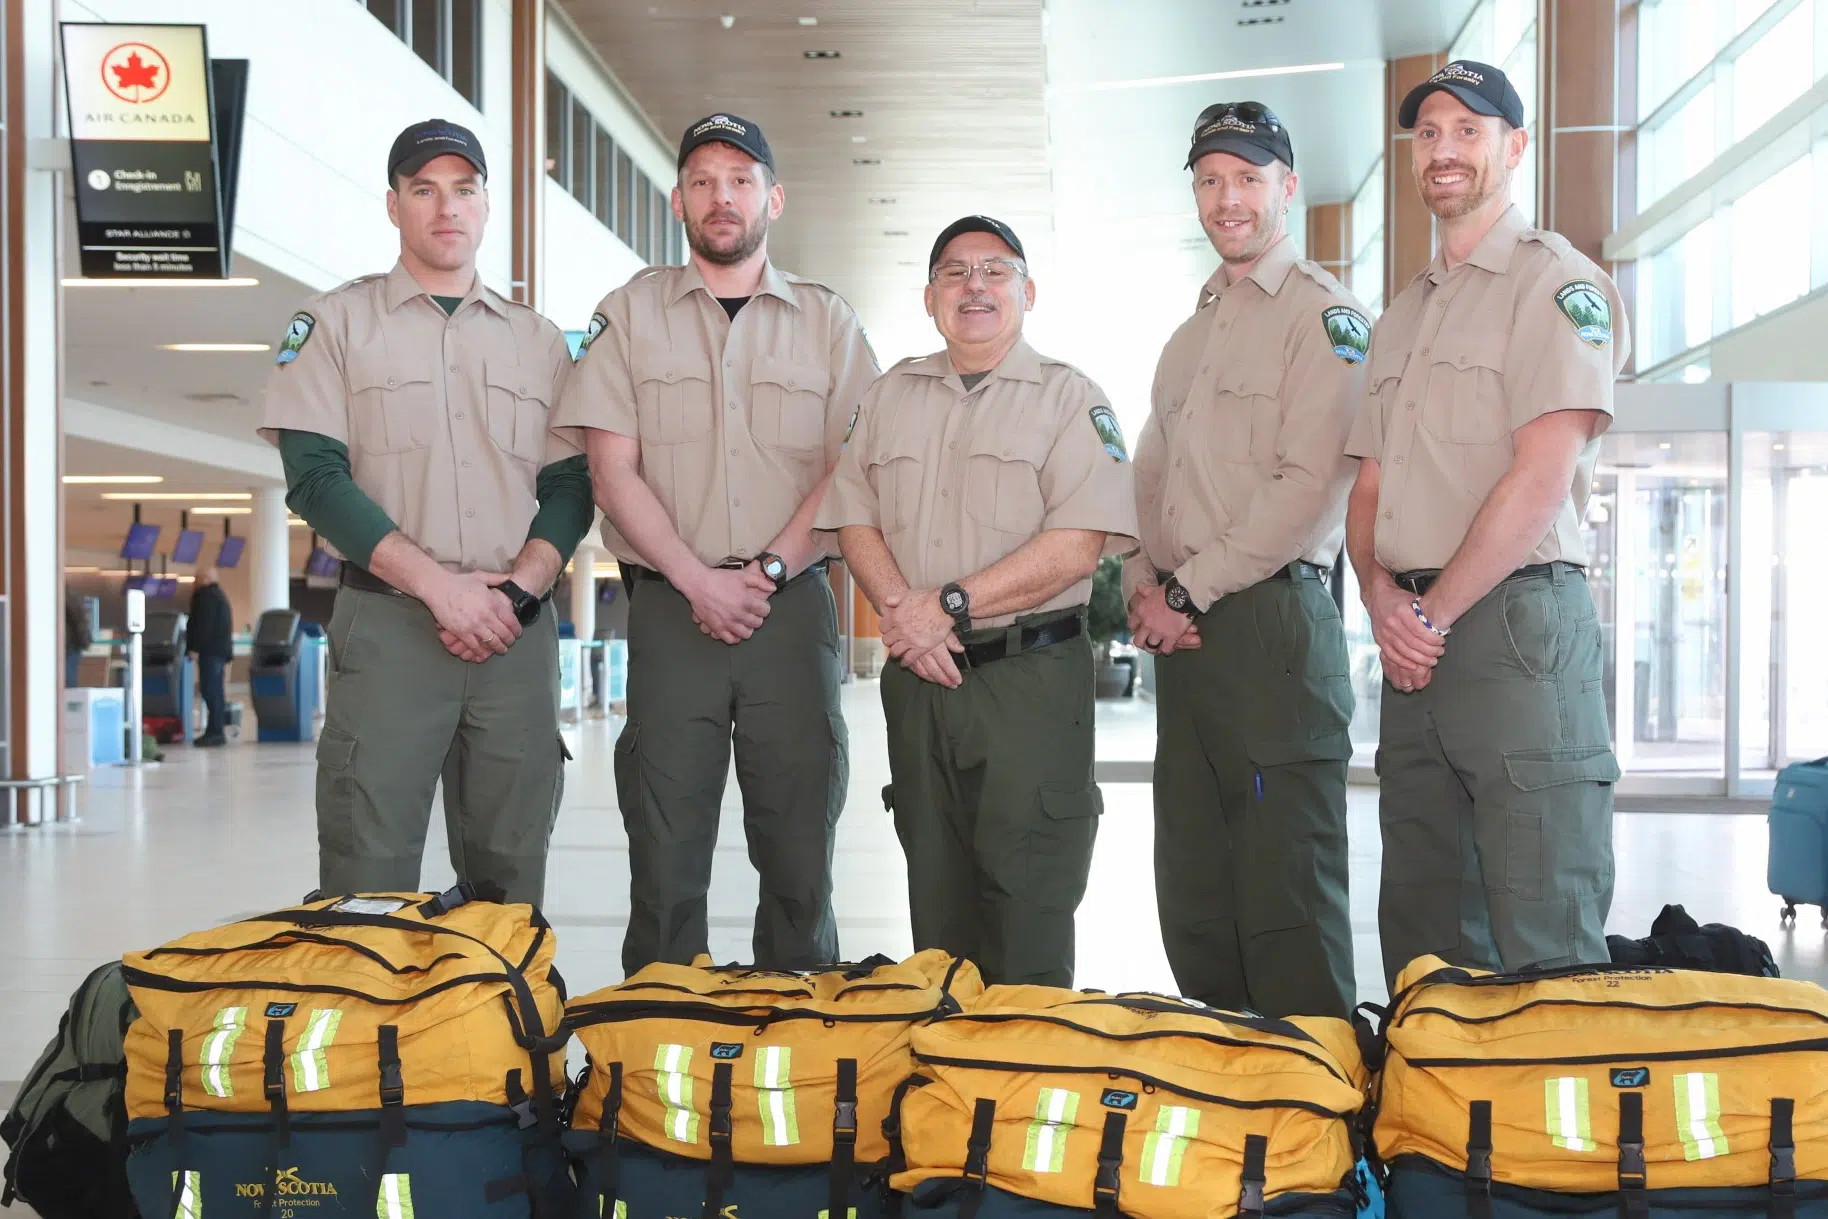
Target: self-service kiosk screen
<point x="188" y="546"/>
<point x="230" y="554"/>
<point x="275" y="631"/>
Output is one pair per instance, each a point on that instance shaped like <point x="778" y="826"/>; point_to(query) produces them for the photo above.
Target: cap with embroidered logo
<point x="1244" y="129"/>
<point x="425" y="142"/>
<point x="729" y="129"/>
<point x="1482" y="88"/>
<point x="974" y="224"/>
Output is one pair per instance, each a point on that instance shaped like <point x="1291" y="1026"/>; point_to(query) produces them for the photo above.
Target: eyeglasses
<point x="995" y="271"/>
<point x="1254" y="113"/>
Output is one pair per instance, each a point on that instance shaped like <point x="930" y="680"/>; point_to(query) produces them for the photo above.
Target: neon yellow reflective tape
<point x="219" y="1049"/>
<point x="774" y="1095"/>
<point x="1698" y="1115"/>
<point x="1570" y="1122"/>
<point x="1055" y="1110"/>
<point x="672" y="1065"/>
<point x="396" y="1197"/>
<point x="310" y="1065"/>
<point x="1166" y="1146"/>
<point x="190" y="1199"/>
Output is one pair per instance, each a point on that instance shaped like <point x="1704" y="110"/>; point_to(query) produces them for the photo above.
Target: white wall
<point x="1786" y="346"/>
<point x="584" y="261"/>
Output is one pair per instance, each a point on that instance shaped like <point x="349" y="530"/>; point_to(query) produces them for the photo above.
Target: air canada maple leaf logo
<point x="136" y="73"/>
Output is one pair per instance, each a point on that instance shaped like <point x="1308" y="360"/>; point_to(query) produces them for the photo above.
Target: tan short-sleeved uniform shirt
<point x="957" y="479"/>
<point x="738" y="419"/>
<point x="445" y="417"/>
<point x="1526" y="326"/>
<point x="1241" y="468"/>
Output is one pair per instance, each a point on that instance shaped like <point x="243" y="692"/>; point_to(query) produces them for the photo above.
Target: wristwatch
<point x="957" y="604"/>
<point x="1178" y="598"/>
<point x="774" y="568"/>
<point x="526" y="605"/>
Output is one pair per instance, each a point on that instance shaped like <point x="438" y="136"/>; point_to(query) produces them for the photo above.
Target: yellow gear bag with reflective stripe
<point x="750" y="1059"/>
<point x="1148" y="1106"/>
<point x="1599" y="1079"/>
<point x="349" y="1003"/>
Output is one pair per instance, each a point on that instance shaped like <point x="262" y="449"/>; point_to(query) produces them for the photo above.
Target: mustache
<point x="1440" y="167"/>
<point x="977" y="298"/>
<point x="721" y="214"/>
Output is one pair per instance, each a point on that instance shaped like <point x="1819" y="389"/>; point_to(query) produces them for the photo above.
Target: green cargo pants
<point x="995" y="806"/>
<point x="775" y="695"/>
<point x="1496" y="800"/>
<point x="1250" y="804"/>
<point x="401" y="711"/>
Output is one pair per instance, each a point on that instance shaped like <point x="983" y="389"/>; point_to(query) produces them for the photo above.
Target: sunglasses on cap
<point x="1254" y="113"/>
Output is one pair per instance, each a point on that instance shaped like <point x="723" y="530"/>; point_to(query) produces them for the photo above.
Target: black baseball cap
<point x="974" y="224"/>
<point x="728" y="129"/>
<point x="425" y="142"/>
<point x="1483" y="88"/>
<point x="1245" y="129"/>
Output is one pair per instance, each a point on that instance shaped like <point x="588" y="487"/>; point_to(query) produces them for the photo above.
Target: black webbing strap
<point x="723" y="1168"/>
<point x="1479" y="1160"/>
<point x="843" y="1141"/>
<point x="273" y="1059"/>
<point x="1634" y="1201"/>
<point x="977" y="1156"/>
<point x="1255" y="1176"/>
<point x="1783" y="1159"/>
<point x="609" y="1158"/>
<point x="897" y="1159"/>
<point x="462" y="894"/>
<point x="1106" y="1183"/>
<point x="392" y="1086"/>
<point x="174" y="1105"/>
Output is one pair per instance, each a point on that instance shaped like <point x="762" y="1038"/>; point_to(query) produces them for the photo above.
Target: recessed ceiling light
<point x="1664" y="445"/>
<point x="891" y="199"/>
<point x="821" y="54"/>
<point x="297" y="522"/>
<point x="124" y="480"/>
<point x="152" y="282"/>
<point x="727" y="20"/>
<point x="866" y="160"/>
<point x="195" y="496"/>
<point x="860" y="139"/>
<point x="894" y="232"/>
<point x="217" y="346"/>
<point x="847" y="114"/>
<point x="1776" y="448"/>
<point x="219" y="510"/>
<point x="809" y="21"/>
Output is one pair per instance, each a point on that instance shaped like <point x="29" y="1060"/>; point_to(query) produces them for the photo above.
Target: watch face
<point x="953" y="601"/>
<point x="1177" y="597"/>
<point x="774" y="569"/>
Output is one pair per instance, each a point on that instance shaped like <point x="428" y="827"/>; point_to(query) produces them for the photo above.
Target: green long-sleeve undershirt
<point x="321" y="489"/>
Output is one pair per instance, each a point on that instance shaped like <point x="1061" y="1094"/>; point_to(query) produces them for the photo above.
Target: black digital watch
<point x="526" y="606"/>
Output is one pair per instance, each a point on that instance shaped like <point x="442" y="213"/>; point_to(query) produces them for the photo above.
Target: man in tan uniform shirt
<point x="713" y="399"/>
<point x="1491" y="382"/>
<point x="973" y="502"/>
<point x="410" y="411"/>
<point x="1241" y="494"/>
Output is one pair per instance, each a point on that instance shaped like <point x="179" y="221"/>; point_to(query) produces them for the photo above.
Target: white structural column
<point x="584" y="592"/>
<point x="270" y="571"/>
<point x="34" y="565"/>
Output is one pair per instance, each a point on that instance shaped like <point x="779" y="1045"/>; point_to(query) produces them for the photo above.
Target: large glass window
<point x="1503" y="32"/>
<point x="583" y="144"/>
<point x="583" y="158"/>
<point x="1676" y="297"/>
<point x="604" y="198"/>
<point x="1770" y="227"/>
<point x="1774" y="71"/>
<point x="1366" y="279"/>
<point x="446" y="34"/>
<point x="558" y="119"/>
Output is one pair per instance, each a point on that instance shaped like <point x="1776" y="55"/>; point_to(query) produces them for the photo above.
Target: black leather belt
<point x="1419" y="582"/>
<point x="1300" y="569"/>
<point x="648" y="574"/>
<point x="366" y="581"/>
<point x="1030" y="639"/>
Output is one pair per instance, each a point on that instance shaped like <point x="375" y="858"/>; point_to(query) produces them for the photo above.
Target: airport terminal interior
<point x="1680" y="144"/>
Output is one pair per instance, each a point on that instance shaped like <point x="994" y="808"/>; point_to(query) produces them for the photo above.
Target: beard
<point x="1263" y="234"/>
<point x="1484" y="185"/>
<point x="726" y="251"/>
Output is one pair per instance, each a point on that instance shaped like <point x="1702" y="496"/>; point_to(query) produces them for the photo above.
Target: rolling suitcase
<point x="1798" y="867"/>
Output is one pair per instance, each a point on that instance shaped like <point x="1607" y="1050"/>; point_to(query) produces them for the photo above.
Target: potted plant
<point x="1109" y="625"/>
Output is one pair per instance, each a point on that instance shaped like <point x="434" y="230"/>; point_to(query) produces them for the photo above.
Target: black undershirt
<point x="973" y="379"/>
<point x="732" y="304"/>
<point x="448" y="304"/>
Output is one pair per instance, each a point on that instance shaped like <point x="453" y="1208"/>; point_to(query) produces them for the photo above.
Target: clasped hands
<point x="1155" y="628"/>
<point x="919" y="634"/>
<point x="1409" y="651"/>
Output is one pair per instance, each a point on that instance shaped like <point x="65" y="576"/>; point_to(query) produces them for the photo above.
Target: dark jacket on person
<point x="211" y="630"/>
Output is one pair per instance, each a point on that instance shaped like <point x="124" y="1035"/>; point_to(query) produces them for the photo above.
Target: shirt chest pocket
<point x="895" y="475"/>
<point x="517" y="412"/>
<point x="788" y="403"/>
<point x="393" y="403"/>
<point x="1003" y="481"/>
<point x="1464" y="401"/>
<point x="673" y="397"/>
<point x="1243" y="423"/>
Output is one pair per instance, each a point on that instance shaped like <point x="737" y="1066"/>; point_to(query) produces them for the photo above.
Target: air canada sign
<point x="147" y="197"/>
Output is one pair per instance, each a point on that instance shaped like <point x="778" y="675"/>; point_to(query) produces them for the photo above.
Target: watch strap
<point x="761" y="561"/>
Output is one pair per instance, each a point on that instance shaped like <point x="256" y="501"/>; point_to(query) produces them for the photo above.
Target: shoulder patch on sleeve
<point x="597" y="322"/>
<point x="298" y="333"/>
<point x="855" y="411"/>
<point x="1349" y="331"/>
<point x="1585" y="305"/>
<point x="1106" y="422"/>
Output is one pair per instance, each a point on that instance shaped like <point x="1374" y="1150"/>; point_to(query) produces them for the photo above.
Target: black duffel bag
<point x="1676" y="941"/>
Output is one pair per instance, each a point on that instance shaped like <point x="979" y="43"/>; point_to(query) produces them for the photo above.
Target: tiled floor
<point x="210" y="836"/>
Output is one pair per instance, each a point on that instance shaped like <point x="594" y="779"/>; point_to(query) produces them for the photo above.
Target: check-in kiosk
<point x="167" y="680"/>
<point x="283" y="678"/>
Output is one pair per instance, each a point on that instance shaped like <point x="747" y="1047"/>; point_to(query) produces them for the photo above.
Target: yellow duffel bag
<point x="403" y="1049"/>
<point x="1674" y="1090"/>
<point x="712" y="1088"/>
<point x="1138" y="1104"/>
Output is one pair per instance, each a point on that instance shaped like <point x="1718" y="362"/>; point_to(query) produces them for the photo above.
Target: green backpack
<point x="68" y="1125"/>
